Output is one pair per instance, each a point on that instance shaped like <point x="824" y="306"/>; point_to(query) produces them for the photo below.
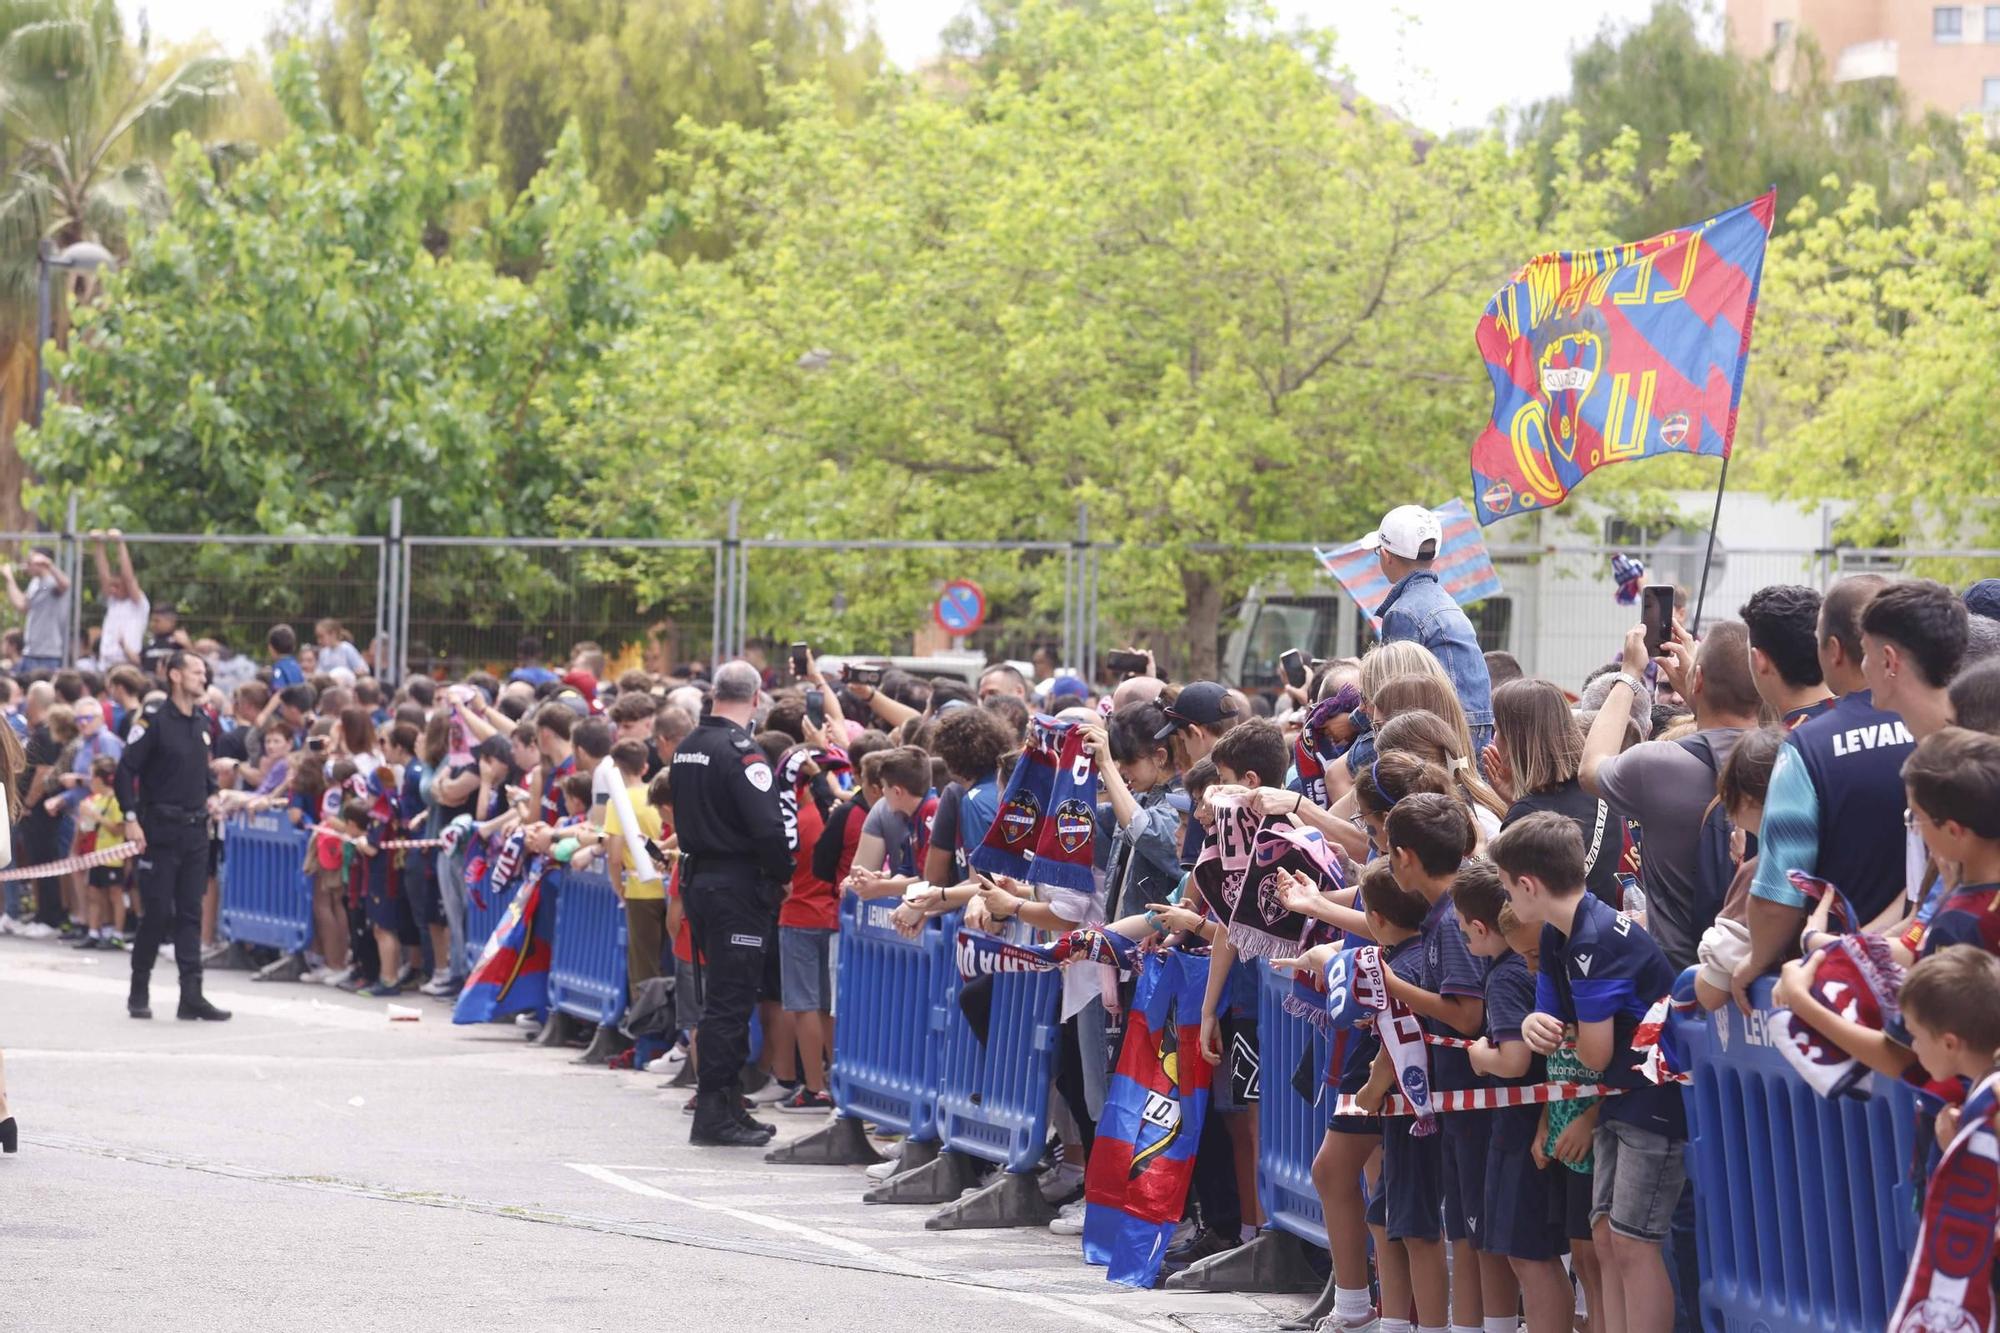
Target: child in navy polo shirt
<point x="1602" y="972"/>
<point x="1405" y="1212"/>
<point x="1519" y="1214"/>
<point x="1429" y="836"/>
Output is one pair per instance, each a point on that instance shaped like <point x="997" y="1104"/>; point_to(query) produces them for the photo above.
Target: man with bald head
<point x="738" y="864"/>
<point x="1136" y="690"/>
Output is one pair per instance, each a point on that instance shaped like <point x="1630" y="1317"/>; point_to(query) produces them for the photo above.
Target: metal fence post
<point x="72" y="550"/>
<point x="393" y="599"/>
<point x="732" y="556"/>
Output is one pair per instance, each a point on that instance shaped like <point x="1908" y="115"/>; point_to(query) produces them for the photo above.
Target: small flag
<point x="1463" y="566"/>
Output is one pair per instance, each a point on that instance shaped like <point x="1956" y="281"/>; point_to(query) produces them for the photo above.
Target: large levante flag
<point x="1464" y="566"/>
<point x="1143" y="1158"/>
<point x="1600" y="356"/>
<point x="512" y="974"/>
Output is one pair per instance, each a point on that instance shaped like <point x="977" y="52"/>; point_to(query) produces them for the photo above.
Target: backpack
<point x="1714" y="868"/>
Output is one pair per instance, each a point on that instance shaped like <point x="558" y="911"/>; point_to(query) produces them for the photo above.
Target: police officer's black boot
<point x="194" y="1006"/>
<point x="136" y="1003"/>
<point x="743" y="1116"/>
<point x="715" y="1127"/>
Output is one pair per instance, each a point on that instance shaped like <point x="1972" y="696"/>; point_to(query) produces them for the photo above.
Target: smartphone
<point x="1292" y="666"/>
<point x="854" y="674"/>
<point x="801" y="660"/>
<point x="1125" y="663"/>
<point x="816" y="707"/>
<point x="1656" y="611"/>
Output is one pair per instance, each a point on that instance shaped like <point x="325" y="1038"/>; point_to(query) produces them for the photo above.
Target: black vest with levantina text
<point x="1854" y="753"/>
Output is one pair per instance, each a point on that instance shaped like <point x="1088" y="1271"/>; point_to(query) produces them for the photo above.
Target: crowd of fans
<point x="1538" y="864"/>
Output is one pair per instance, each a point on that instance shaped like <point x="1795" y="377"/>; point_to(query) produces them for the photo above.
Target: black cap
<point x="1203" y="703"/>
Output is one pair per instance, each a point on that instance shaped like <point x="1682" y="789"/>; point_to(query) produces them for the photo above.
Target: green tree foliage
<point x="296" y="344"/>
<point x="85" y="115"/>
<point x="1665" y="81"/>
<point x="1877" y="378"/>
<point x="624" y="72"/>
<point x="1177" y="278"/>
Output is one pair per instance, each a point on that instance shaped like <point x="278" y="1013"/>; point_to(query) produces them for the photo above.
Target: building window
<point x="1990" y="90"/>
<point x="1993" y="23"/>
<point x="1948" y="23"/>
<point x="1781" y="33"/>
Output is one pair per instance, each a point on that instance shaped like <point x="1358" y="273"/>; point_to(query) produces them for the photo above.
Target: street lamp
<point x="82" y="257"/>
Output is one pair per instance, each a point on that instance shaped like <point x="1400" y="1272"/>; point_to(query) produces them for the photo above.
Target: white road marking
<point x="855" y="1249"/>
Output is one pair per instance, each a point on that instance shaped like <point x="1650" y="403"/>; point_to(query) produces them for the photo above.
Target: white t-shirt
<point x="124" y="630"/>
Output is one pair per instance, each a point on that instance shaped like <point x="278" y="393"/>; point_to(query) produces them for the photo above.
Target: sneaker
<point x="87" y="942"/>
<point x="211" y="952"/>
<point x="381" y="990"/>
<point x="669" y="1063"/>
<point x="316" y="975"/>
<point x="71" y="931"/>
<point x="354" y="985"/>
<point x="341" y="977"/>
<point x="439" y="984"/>
<point x="806" y="1102"/>
<point x="1069" y="1222"/>
<point x="112" y="941"/>
<point x="1333" y="1323"/>
<point x="1060" y="1183"/>
<point x="772" y="1093"/>
<point x="38" y="930"/>
<point x="8" y="925"/>
<point x="410" y="976"/>
<point x="1204" y="1244"/>
<point x="884" y="1169"/>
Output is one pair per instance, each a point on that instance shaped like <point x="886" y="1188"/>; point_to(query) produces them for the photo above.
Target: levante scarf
<point x="1858" y="978"/>
<point x="1356" y="990"/>
<point x="1312" y="752"/>
<point x="1046" y="828"/>
<point x="981" y="954"/>
<point x="1950" y="1285"/>
<point x="1260" y="925"/>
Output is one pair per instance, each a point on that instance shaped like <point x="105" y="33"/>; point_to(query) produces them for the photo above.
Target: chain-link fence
<point x="470" y="603"/>
<point x="448" y="605"/>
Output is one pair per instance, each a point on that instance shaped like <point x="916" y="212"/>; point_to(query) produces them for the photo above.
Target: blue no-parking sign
<point x="961" y="607"/>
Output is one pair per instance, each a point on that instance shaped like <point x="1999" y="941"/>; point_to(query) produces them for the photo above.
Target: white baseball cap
<point x="1404" y="531"/>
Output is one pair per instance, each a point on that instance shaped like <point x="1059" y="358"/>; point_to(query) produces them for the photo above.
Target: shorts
<point x="388" y="910"/>
<point x="1523" y="1217"/>
<point x="1722" y="950"/>
<point x="1235" y="1085"/>
<point x="1465" y="1135"/>
<point x="1410" y="1200"/>
<point x="420" y="887"/>
<point x="805" y="959"/>
<point x="1639" y="1179"/>
<point x="1353" y="1078"/>
<point x="645" y="933"/>
<point x="107" y="877"/>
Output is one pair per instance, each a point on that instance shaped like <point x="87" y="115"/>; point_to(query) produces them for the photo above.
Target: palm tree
<point x="85" y="118"/>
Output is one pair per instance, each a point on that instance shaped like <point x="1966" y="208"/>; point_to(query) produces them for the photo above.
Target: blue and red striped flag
<point x="1599" y="356"/>
<point x="1143" y="1159"/>
<point x="512" y="974"/>
<point x="1464" y="567"/>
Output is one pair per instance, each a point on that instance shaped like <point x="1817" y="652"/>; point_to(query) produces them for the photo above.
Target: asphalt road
<point x="312" y="1163"/>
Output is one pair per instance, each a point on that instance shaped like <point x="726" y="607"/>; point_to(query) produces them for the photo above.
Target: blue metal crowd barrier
<point x="267" y="896"/>
<point x="1805" y="1207"/>
<point x="587" y="967"/>
<point x="483" y="909"/>
<point x="894" y="994"/>
<point x="994" y="1099"/>
<point x="1289" y="1128"/>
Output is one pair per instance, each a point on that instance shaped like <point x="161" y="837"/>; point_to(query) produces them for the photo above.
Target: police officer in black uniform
<point x="738" y="863"/>
<point x="165" y="786"/>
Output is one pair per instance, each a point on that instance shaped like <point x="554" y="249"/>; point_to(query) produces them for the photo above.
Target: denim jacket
<point x="1421" y="610"/>
<point x="1147" y="850"/>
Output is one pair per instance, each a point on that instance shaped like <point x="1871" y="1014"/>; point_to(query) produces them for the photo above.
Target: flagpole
<point x="1713" y="523"/>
